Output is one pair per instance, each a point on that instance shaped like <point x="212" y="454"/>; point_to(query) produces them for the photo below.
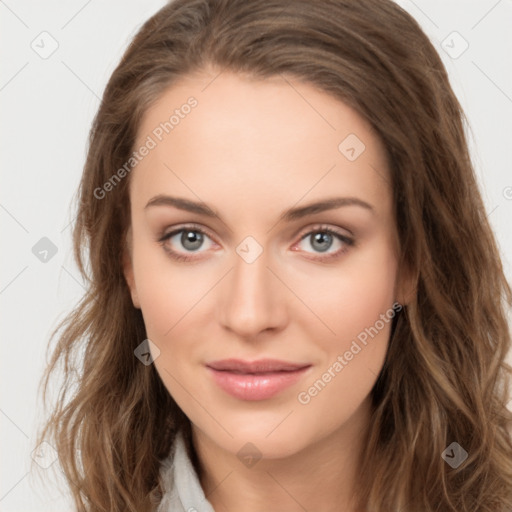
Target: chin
<point x="268" y="443"/>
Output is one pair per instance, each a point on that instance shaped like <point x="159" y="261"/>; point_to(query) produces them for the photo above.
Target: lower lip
<point x="256" y="386"/>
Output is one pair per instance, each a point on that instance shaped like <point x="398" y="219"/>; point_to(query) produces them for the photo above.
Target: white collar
<point x="182" y="491"/>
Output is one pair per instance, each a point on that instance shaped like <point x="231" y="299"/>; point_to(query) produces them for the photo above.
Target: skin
<point x="251" y="150"/>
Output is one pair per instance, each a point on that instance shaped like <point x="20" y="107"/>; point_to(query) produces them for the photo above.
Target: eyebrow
<point x="289" y="215"/>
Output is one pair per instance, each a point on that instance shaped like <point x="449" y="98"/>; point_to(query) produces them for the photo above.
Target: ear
<point x="128" y="267"/>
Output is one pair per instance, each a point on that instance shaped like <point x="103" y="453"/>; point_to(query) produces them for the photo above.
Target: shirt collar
<point x="182" y="491"/>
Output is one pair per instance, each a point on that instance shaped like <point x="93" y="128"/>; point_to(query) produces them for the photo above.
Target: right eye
<point x="181" y="243"/>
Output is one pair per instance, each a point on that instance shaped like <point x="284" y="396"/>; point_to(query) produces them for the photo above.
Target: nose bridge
<point x="251" y="300"/>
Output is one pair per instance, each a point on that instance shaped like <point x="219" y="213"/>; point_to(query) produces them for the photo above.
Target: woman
<point x="295" y="299"/>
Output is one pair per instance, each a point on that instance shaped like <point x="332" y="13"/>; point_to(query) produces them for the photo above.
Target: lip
<point x="255" y="380"/>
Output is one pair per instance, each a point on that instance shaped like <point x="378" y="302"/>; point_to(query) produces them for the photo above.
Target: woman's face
<point x="251" y="270"/>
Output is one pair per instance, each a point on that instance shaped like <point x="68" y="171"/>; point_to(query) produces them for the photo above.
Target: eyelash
<point x="347" y="241"/>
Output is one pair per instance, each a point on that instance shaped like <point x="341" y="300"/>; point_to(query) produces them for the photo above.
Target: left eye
<point x="323" y="240"/>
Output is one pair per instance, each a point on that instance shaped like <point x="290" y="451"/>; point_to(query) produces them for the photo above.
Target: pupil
<point x="324" y="239"/>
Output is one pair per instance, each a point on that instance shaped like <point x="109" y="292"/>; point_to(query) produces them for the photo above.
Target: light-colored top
<point x="182" y="491"/>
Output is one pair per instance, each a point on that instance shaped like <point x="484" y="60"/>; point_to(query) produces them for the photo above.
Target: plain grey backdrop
<point x="56" y="60"/>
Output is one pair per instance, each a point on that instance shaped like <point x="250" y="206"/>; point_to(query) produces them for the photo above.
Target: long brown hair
<point x="445" y="378"/>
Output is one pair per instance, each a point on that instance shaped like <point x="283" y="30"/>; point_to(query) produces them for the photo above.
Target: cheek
<point x="158" y="299"/>
<point x="350" y="299"/>
<point x="166" y="292"/>
<point x="366" y="295"/>
<point x="354" y="356"/>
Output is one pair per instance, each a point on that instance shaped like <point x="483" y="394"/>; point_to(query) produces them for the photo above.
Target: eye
<point x="187" y="242"/>
<point x="322" y="240"/>
<point x="186" y="239"/>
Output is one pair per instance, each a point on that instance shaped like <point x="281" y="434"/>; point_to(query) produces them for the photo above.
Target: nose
<point x="252" y="299"/>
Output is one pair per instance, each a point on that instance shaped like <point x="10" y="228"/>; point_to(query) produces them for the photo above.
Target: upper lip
<point x="260" y="366"/>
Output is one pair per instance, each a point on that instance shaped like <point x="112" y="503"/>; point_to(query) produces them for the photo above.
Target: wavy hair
<point x="444" y="379"/>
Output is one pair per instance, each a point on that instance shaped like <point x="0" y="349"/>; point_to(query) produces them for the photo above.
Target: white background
<point x="47" y="109"/>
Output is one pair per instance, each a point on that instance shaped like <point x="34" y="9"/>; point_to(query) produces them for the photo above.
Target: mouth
<point x="256" y="380"/>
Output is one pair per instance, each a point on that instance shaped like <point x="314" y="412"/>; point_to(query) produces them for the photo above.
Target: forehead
<point x="266" y="140"/>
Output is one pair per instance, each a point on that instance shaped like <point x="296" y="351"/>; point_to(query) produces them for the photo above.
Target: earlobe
<point x="128" y="269"/>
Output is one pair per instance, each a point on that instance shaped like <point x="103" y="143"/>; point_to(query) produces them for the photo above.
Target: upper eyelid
<point x="323" y="227"/>
<point x="187" y="227"/>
